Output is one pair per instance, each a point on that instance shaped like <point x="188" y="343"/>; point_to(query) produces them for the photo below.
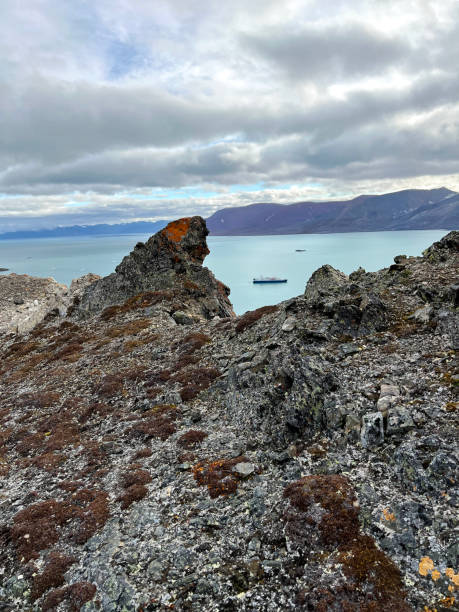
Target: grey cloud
<point x="332" y="52"/>
<point x="108" y="99"/>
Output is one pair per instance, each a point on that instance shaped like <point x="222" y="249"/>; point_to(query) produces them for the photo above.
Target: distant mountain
<point x="102" y="229"/>
<point x="402" y="210"/>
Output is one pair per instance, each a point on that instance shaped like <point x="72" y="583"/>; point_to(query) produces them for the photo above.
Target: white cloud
<point x="112" y="98"/>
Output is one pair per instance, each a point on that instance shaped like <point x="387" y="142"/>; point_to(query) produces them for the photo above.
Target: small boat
<point x="269" y="279"/>
<point x="300" y="250"/>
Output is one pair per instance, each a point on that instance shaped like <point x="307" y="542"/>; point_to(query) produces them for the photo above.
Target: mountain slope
<point x="300" y="457"/>
<point x="408" y="209"/>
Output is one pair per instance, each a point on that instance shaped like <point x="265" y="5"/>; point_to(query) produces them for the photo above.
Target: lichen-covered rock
<point x="170" y="261"/>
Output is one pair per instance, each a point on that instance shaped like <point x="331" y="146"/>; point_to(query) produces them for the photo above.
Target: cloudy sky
<point x="118" y="110"/>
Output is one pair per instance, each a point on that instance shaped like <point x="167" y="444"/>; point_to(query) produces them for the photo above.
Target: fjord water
<point x="234" y="260"/>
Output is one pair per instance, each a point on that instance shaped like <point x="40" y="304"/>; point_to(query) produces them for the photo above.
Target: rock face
<point x="170" y="261"/>
<point x="299" y="457"/>
<point x="25" y="301"/>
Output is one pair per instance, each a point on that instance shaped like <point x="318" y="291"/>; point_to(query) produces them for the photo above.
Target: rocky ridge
<point x="171" y="260"/>
<point x="299" y="457"/>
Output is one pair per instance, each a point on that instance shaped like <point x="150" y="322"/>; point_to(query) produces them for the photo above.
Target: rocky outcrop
<point x="353" y="307"/>
<point x="169" y="262"/>
<point x="324" y="283"/>
<point x="444" y="248"/>
<point x="272" y="461"/>
<point x="25" y="301"/>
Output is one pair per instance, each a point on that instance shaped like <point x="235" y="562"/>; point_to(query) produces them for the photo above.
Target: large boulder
<point x="170" y="261"/>
<point x="352" y="309"/>
<point x="324" y="283"/>
<point x="26" y="300"/>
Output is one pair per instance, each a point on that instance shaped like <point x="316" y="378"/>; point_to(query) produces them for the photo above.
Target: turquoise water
<point x="235" y="260"/>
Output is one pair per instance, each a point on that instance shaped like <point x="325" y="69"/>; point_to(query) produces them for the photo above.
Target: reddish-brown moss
<point x="135" y="476"/>
<point x="94" y="515"/>
<point x="38" y="526"/>
<point x="141" y="300"/>
<point x="374" y="573"/>
<point x="76" y="595"/>
<point x="40" y="399"/>
<point x="194" y="381"/>
<point x="192" y="342"/>
<point x="143" y="453"/>
<point x="48" y="461"/>
<point x="109" y="386"/>
<point x="252" y="316"/>
<point x="192" y="438"/>
<point x="218" y="475"/>
<point x="128" y="329"/>
<point x="334" y="494"/>
<point x="52" y="575"/>
<point x="370" y="582"/>
<point x="96" y="408"/>
<point x="159" y="422"/>
<point x="134" y="493"/>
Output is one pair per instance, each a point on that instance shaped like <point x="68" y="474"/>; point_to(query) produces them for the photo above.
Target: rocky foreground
<point x="159" y="453"/>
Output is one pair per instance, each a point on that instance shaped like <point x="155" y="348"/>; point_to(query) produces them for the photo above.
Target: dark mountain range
<point x="402" y="210"/>
<point x="102" y="229"/>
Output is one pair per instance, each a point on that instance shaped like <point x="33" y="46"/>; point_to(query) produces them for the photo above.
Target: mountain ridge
<point x="100" y="229"/>
<point x="402" y="210"/>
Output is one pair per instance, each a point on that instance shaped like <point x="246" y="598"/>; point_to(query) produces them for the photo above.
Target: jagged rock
<point x="323" y="284"/>
<point x="444" y="249"/>
<point x="171" y="260"/>
<point x="372" y="431"/>
<point x="26" y="300"/>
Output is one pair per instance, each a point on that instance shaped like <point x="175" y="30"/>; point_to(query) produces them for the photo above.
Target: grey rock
<point x="323" y="283"/>
<point x="289" y="324"/>
<point x="372" y="432"/>
<point x="244" y="469"/>
<point x="423" y="314"/>
<point x="182" y="318"/>
<point x="399" y="421"/>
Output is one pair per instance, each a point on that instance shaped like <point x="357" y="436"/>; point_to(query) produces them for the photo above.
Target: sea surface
<point x="234" y="260"/>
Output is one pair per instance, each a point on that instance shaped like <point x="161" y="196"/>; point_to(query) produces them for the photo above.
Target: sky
<point x="120" y="110"/>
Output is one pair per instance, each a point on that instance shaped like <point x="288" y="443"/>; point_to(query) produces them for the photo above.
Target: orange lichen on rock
<point x="447" y="602"/>
<point x="218" y="475"/>
<point x="176" y="230"/>
<point x="452" y="575"/>
<point x="426" y="565"/>
<point x="387" y="516"/>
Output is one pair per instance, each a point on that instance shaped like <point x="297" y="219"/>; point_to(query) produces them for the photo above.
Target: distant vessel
<point x="300" y="250"/>
<point x="269" y="279"/>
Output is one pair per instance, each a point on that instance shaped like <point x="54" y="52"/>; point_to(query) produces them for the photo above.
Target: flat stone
<point x="423" y="314"/>
<point x="392" y="390"/>
<point x="289" y="324"/>
<point x="244" y="468"/>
